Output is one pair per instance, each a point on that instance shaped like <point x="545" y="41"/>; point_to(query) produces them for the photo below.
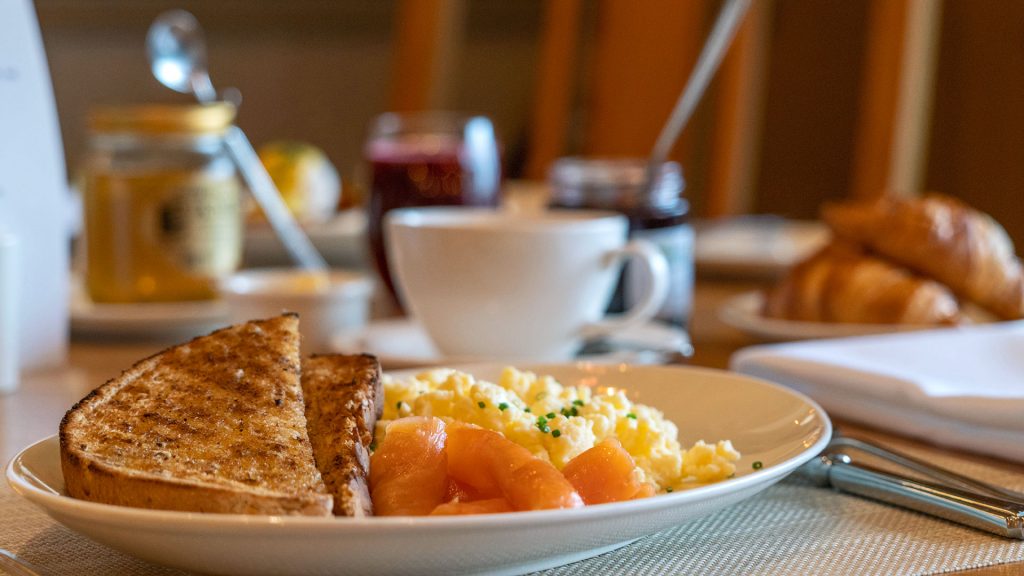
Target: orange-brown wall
<point x="318" y="70"/>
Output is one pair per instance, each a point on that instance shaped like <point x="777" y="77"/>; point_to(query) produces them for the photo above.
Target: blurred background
<point x="801" y="112"/>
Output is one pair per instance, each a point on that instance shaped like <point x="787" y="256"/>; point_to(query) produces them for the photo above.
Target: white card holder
<point x="33" y="191"/>
<point x="10" y="268"/>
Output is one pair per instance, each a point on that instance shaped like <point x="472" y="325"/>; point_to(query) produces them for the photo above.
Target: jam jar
<point x="659" y="215"/>
<point x="162" y="206"/>
<point x="428" y="159"/>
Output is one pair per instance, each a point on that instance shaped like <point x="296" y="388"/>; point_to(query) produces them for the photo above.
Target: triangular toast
<point x="344" y="397"/>
<point x="213" y="425"/>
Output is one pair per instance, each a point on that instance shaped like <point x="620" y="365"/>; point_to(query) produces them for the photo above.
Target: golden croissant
<point x="941" y="238"/>
<point x="841" y="283"/>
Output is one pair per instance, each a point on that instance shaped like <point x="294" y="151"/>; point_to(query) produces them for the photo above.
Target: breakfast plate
<point x="745" y="313"/>
<point x="403" y="343"/>
<point x="775" y="428"/>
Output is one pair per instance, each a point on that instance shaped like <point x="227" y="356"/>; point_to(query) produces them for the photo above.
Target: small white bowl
<point x="328" y="303"/>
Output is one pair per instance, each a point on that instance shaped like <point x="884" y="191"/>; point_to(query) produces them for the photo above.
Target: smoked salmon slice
<point x="494" y="466"/>
<point x="459" y="492"/>
<point x="606" y="473"/>
<point x="409" y="471"/>
<point x="489" y="506"/>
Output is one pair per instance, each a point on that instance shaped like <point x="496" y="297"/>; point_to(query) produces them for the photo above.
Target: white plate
<point x="755" y="246"/>
<point x="175" y="320"/>
<point x="744" y="312"/>
<point x="403" y="343"/>
<point x="341" y="241"/>
<point x="768" y="423"/>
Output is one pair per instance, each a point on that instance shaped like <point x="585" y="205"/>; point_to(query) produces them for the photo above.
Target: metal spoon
<point x="177" y="57"/>
<point x="177" y="54"/>
<point x="707" y="63"/>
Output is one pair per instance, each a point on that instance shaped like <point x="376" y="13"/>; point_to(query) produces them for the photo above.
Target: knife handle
<point x="995" y="515"/>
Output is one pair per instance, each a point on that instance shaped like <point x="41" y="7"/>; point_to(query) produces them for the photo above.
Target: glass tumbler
<point x="428" y="159"/>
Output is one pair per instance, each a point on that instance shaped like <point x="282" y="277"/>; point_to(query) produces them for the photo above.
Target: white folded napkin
<point x="961" y="387"/>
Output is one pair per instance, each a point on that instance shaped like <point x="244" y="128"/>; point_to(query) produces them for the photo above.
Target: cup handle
<point x="654" y="267"/>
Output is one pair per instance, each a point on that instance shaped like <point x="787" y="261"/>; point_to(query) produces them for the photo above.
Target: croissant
<point x="840" y="283"/>
<point x="942" y="238"/>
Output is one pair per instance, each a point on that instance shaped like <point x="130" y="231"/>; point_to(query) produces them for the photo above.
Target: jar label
<point x="199" y="227"/>
<point x="163" y="235"/>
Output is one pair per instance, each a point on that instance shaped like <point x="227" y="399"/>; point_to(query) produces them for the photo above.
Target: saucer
<point x="403" y="343"/>
<point x="170" y="320"/>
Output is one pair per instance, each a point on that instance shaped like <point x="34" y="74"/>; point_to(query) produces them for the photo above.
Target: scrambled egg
<point x="557" y="423"/>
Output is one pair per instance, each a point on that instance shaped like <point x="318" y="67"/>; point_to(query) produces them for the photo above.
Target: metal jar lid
<point x="614" y="182"/>
<point x="158" y="119"/>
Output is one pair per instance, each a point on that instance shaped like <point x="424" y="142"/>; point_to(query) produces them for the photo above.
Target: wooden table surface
<point x="35" y="410"/>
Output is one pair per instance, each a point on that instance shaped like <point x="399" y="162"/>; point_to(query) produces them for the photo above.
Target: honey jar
<point x="161" y="198"/>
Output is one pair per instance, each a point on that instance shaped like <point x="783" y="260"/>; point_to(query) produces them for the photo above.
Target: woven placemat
<point x="791" y="528"/>
<point x="56" y="550"/>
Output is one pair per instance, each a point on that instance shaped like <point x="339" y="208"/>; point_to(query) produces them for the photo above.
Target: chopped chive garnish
<point x="541" y="420"/>
<point x="481" y="404"/>
<point x="543" y="427"/>
<point x="631" y="415"/>
<point x="550" y="415"/>
<point x="669" y="489"/>
<point x="373" y="446"/>
<point x="565" y="412"/>
<point x="574" y="412"/>
<point x="578" y="402"/>
<point x="556" y="433"/>
<point x="398" y="405"/>
<point x="527" y="409"/>
<point x="503" y="406"/>
<point x="758" y="465"/>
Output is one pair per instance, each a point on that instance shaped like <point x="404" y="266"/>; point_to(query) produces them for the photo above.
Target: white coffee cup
<point x="497" y="285"/>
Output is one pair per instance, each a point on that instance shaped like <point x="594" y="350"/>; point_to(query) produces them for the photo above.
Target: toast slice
<point x="344" y="397"/>
<point x="213" y="425"/>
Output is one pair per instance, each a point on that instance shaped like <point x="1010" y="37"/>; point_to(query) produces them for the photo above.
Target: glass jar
<point x="660" y="216"/>
<point x="428" y="158"/>
<point x="161" y="198"/>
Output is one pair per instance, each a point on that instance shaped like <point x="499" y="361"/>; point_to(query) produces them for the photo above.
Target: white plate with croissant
<point x="893" y="265"/>
<point x="746" y="312"/>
